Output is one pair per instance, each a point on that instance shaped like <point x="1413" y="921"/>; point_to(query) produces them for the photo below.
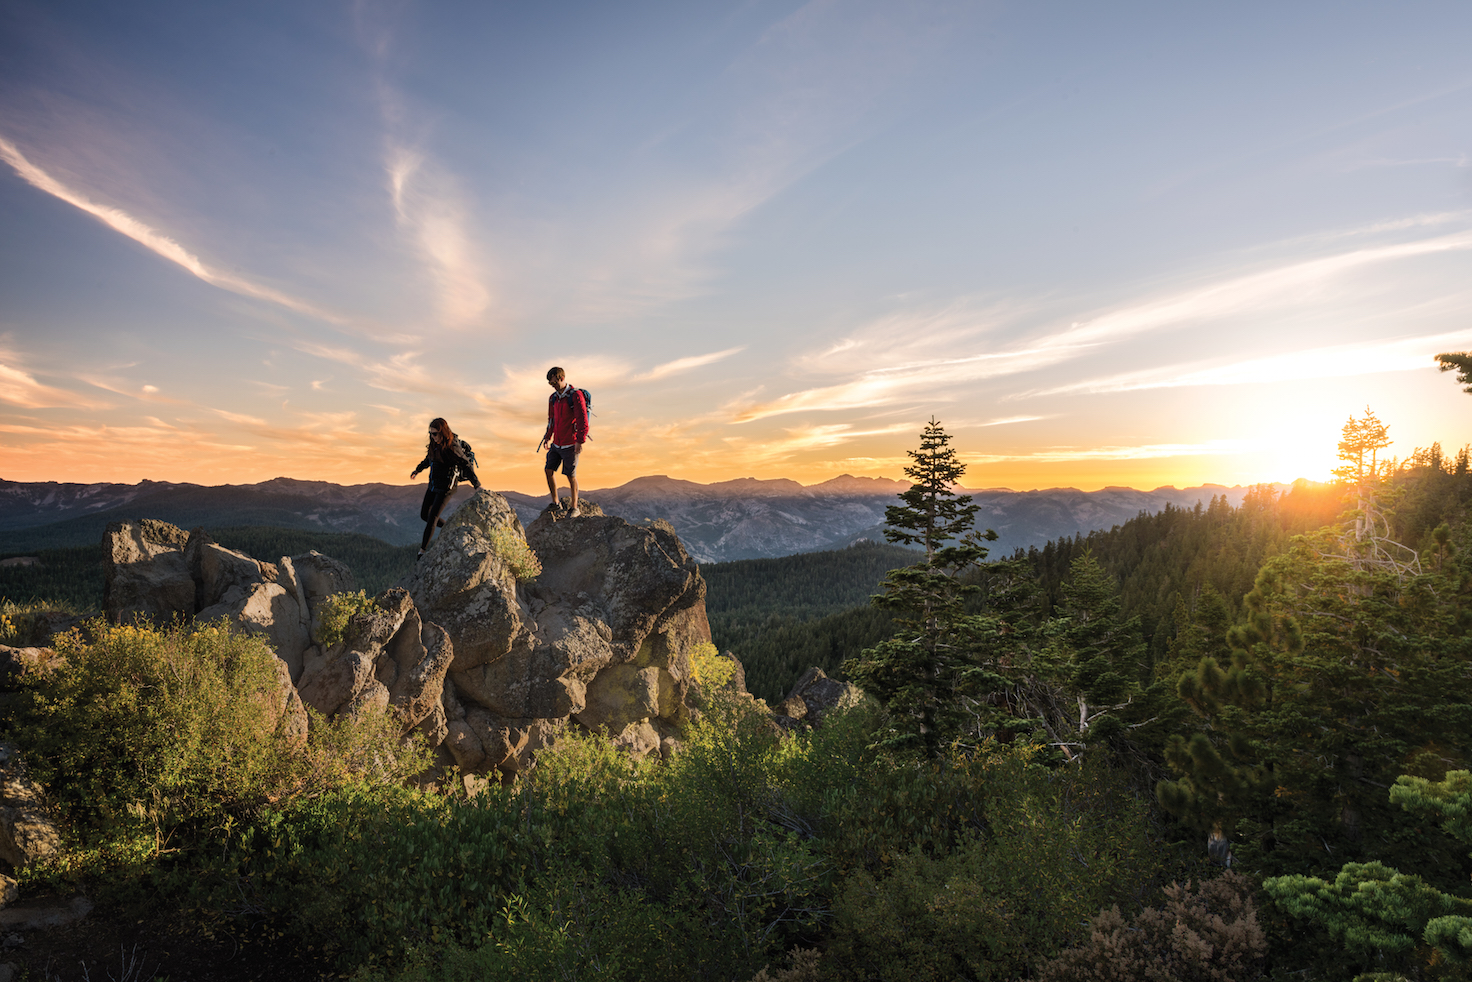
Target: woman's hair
<point x="447" y="435"/>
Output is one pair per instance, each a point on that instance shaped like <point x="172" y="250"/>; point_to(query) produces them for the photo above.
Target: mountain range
<point x="745" y="518"/>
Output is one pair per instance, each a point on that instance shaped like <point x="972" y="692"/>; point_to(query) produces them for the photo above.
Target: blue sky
<point x="1128" y="244"/>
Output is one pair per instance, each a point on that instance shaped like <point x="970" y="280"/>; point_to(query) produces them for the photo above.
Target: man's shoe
<point x="574" y="512"/>
<point x="439" y="523"/>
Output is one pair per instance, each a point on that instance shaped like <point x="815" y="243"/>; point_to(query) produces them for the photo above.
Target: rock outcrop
<point x="600" y="638"/>
<point x="388" y="657"/>
<point x="27" y="833"/>
<point x="157" y="572"/>
<point x="490" y="669"/>
<point x="464" y="584"/>
<point x="145" y="576"/>
<point x="814" y="696"/>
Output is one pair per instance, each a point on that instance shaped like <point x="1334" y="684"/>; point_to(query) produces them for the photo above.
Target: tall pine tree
<point x="919" y="674"/>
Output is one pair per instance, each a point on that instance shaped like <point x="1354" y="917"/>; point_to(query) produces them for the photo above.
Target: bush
<point x="1206" y="934"/>
<point x="571" y="928"/>
<point x="146" y="733"/>
<point x="613" y="869"/>
<point x="336" y="611"/>
<point x="515" y="553"/>
<point x="26" y="624"/>
<point x="804" y="967"/>
<point x="1383" y="916"/>
<point x="710" y="669"/>
<point x="981" y="866"/>
<point x="370" y="873"/>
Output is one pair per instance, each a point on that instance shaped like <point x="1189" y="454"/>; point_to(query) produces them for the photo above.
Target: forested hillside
<point x="1170" y="557"/>
<point x="74" y="575"/>
<point x="784" y="615"/>
<point x="1162" y="563"/>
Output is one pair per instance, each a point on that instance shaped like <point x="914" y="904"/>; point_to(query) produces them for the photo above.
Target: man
<point x="567" y="430"/>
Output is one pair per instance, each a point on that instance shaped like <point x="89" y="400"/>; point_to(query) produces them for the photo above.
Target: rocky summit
<point x="488" y="667"/>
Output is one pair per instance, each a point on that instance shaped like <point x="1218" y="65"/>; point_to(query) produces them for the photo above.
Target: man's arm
<point x="551" y="401"/>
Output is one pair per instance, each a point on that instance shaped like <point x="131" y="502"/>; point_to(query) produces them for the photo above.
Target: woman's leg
<point x="434" y="503"/>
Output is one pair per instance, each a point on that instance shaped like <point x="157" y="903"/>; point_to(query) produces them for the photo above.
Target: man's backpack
<point x="587" y="402"/>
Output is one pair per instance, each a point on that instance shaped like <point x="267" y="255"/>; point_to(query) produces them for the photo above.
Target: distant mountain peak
<point x="873" y="485"/>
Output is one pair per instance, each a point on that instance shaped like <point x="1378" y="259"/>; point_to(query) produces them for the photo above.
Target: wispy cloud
<point x="154" y="240"/>
<point x="685" y="364"/>
<point x="18" y="388"/>
<point x="815" y="84"/>
<point x="804" y="440"/>
<point x="430" y="205"/>
<point x="888" y="386"/>
<point x="1333" y="361"/>
<point x="1146" y="451"/>
<point x="904" y="344"/>
<point x="1458" y="161"/>
<point x="239" y="417"/>
<point x="130" y="388"/>
<point x="1243" y="293"/>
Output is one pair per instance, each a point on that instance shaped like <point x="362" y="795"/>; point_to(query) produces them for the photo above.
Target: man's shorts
<point x="568" y="456"/>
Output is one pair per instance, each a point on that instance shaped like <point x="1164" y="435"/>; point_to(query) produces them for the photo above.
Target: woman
<point x="445" y="456"/>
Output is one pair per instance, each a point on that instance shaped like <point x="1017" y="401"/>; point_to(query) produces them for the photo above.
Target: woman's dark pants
<point x="434" y="503"/>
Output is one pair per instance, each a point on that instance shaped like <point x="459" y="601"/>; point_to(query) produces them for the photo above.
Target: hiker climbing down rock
<point x="450" y="460"/>
<point x="567" y="430"/>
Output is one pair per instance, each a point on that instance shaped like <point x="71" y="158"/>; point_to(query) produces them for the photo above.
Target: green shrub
<point x="336" y="611"/>
<point x="26" y="624"/>
<point x="515" y="553"/>
<point x="805" y="966"/>
<point x="571" y="928"/>
<point x="710" y="669"/>
<point x="706" y="833"/>
<point x="149" y="729"/>
<point x="145" y="734"/>
<point x="369" y="873"/>
<point x="1005" y="860"/>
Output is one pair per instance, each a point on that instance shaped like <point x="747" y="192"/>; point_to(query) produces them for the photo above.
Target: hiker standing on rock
<point x="449" y="459"/>
<point x="567" y="429"/>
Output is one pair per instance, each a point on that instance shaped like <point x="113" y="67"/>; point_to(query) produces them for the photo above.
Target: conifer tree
<point x="1366" y="477"/>
<point x="1459" y="362"/>
<point x="1376" y="910"/>
<point x="920" y="673"/>
<point x="1337" y="677"/>
<point x="1093" y="656"/>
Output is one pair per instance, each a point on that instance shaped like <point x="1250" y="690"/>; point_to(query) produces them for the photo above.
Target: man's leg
<point x="552" y="483"/>
<point x="572" y="480"/>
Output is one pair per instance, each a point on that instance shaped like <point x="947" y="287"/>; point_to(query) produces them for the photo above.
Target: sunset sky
<point x="1105" y="244"/>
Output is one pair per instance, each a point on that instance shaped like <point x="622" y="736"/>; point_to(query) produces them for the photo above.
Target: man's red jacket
<point x="567" y="417"/>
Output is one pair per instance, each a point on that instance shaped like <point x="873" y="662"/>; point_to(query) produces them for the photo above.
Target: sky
<point x="1128" y="244"/>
